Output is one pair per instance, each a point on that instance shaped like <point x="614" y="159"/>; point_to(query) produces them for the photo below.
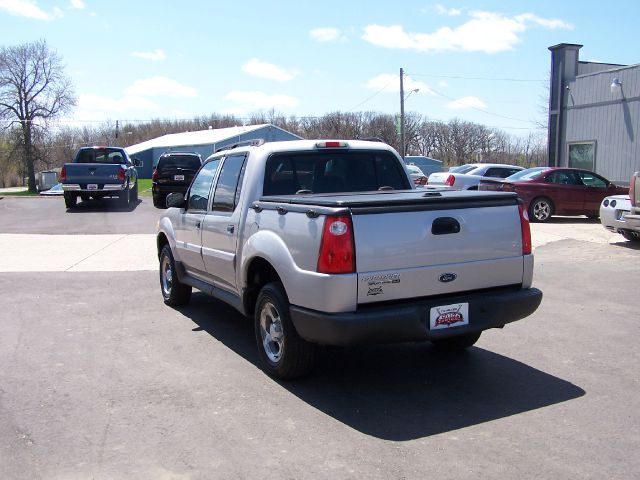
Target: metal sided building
<point x="204" y="142"/>
<point x="594" y="115"/>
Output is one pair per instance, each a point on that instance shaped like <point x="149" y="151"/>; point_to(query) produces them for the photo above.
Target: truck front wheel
<point x="283" y="353"/>
<point x="174" y="292"/>
<point x="459" y="342"/>
<point x="70" y="199"/>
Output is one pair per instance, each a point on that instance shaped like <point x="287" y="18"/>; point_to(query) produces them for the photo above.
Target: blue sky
<point x="485" y="62"/>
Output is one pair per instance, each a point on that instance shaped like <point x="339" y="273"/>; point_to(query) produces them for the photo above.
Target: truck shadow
<point x="104" y="205"/>
<point x="399" y="392"/>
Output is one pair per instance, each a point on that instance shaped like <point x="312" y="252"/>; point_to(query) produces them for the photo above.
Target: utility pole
<point x="402" y="149"/>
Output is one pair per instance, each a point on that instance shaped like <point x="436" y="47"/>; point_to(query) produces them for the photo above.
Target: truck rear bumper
<point x="410" y="321"/>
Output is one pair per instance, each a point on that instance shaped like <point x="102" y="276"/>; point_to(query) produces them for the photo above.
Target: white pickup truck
<point x="328" y="243"/>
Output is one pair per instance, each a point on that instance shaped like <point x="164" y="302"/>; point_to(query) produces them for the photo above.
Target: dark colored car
<point x="173" y="173"/>
<point x="548" y="191"/>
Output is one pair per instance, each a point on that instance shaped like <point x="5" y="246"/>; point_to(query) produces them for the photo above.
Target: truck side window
<point x="201" y="186"/>
<point x="224" y="198"/>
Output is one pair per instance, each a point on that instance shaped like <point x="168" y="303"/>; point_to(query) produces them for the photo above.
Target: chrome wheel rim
<point x="166" y="275"/>
<point x="271" y="332"/>
<point x="541" y="210"/>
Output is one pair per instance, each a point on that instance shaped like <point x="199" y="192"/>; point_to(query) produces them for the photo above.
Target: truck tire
<point x="283" y="353"/>
<point x="125" y="197"/>
<point x="459" y="342"/>
<point x="70" y="199"/>
<point x="174" y="292"/>
<point x="540" y="209"/>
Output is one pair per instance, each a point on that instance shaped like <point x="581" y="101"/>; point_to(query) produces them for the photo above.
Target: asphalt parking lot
<point x="99" y="379"/>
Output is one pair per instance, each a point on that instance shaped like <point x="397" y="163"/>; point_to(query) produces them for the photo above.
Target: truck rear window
<point x="100" y="155"/>
<point x="333" y="172"/>
<point x="186" y="162"/>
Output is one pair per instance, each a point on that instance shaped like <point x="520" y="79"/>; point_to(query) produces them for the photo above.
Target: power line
<point x="493" y="79"/>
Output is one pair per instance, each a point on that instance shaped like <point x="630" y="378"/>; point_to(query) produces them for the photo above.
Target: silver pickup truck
<point x="327" y="243"/>
<point x="632" y="218"/>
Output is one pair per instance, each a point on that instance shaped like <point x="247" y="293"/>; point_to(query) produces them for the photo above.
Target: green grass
<point x="26" y="193"/>
<point x="144" y="187"/>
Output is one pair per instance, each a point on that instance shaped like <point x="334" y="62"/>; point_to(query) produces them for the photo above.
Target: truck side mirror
<point x="176" y="199"/>
<point x="137" y="162"/>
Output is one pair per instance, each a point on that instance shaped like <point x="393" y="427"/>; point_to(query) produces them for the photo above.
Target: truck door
<point x="220" y="225"/>
<point x="189" y="227"/>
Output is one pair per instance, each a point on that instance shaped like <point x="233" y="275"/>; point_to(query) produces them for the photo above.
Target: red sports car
<point x="548" y="191"/>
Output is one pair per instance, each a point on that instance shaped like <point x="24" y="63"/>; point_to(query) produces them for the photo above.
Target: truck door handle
<point x="198" y="224"/>
<point x="445" y="226"/>
<point x="230" y="229"/>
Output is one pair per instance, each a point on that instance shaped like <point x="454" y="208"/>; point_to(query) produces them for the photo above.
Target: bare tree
<point x="33" y="90"/>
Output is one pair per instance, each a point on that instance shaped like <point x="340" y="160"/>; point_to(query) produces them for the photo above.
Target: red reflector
<point x="155" y="175"/>
<point x="121" y="175"/>
<point x="526" y="230"/>
<point x="336" y="247"/>
<point x="63" y="174"/>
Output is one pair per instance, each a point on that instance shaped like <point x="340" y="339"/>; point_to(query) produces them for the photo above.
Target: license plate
<point x="178" y="177"/>
<point x="449" y="316"/>
<point x="92" y="186"/>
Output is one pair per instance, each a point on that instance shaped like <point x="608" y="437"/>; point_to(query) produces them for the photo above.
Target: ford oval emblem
<point x="447" y="277"/>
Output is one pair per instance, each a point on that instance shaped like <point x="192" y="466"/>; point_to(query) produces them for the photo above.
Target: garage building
<point x="204" y="142"/>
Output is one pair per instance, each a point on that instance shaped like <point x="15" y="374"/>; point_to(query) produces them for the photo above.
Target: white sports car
<point x="612" y="211"/>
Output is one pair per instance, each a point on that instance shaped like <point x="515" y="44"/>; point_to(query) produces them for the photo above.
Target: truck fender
<point x="269" y="246"/>
<point x="165" y="227"/>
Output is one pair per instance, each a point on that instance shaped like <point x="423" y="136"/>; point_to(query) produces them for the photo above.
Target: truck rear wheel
<point x="174" y="292"/>
<point x="125" y="197"/>
<point x="70" y="199"/>
<point x="283" y="352"/>
<point x="459" y="342"/>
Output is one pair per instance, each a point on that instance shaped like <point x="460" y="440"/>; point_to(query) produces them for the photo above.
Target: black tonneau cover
<point x="386" y="201"/>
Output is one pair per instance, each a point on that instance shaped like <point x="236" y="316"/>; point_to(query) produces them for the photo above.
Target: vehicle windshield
<point x="526" y="175"/>
<point x="184" y="162"/>
<point x="332" y="172"/>
<point x="463" y="168"/>
<point x="100" y="155"/>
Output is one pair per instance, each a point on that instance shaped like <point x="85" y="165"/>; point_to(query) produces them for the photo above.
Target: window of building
<point x="582" y="155"/>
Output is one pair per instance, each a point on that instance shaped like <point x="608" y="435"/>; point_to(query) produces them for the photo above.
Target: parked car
<point x="632" y="219"/>
<point x="56" y="190"/>
<point x="327" y="242"/>
<point x="612" y="212"/>
<point x="173" y="173"/>
<point x="417" y="175"/>
<point x="548" y="191"/>
<point x="467" y="177"/>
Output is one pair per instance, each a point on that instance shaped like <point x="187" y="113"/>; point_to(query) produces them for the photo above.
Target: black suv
<point x="173" y="173"/>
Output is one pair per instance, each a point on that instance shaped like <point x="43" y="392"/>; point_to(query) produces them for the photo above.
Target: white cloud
<point x="258" y="68"/>
<point x="443" y="84"/>
<point x="158" y="87"/>
<point x="95" y="103"/>
<point x="327" y="35"/>
<point x="78" y="4"/>
<point x="486" y="32"/>
<point x="451" y="12"/>
<point x="466" y="103"/>
<point x="156" y="55"/>
<point x="28" y="9"/>
<point x="260" y="100"/>
<point x="389" y="82"/>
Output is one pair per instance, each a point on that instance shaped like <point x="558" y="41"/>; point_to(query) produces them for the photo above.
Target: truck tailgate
<point x="443" y="248"/>
<point x="84" y="173"/>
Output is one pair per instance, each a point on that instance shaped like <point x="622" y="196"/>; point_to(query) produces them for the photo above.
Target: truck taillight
<point x="450" y="180"/>
<point x="154" y="175"/>
<point x="632" y="190"/>
<point x="337" y="252"/>
<point x="122" y="176"/>
<point x="526" y="230"/>
<point x="63" y="174"/>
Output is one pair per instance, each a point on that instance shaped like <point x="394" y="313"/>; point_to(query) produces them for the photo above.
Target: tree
<point x="33" y="90"/>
